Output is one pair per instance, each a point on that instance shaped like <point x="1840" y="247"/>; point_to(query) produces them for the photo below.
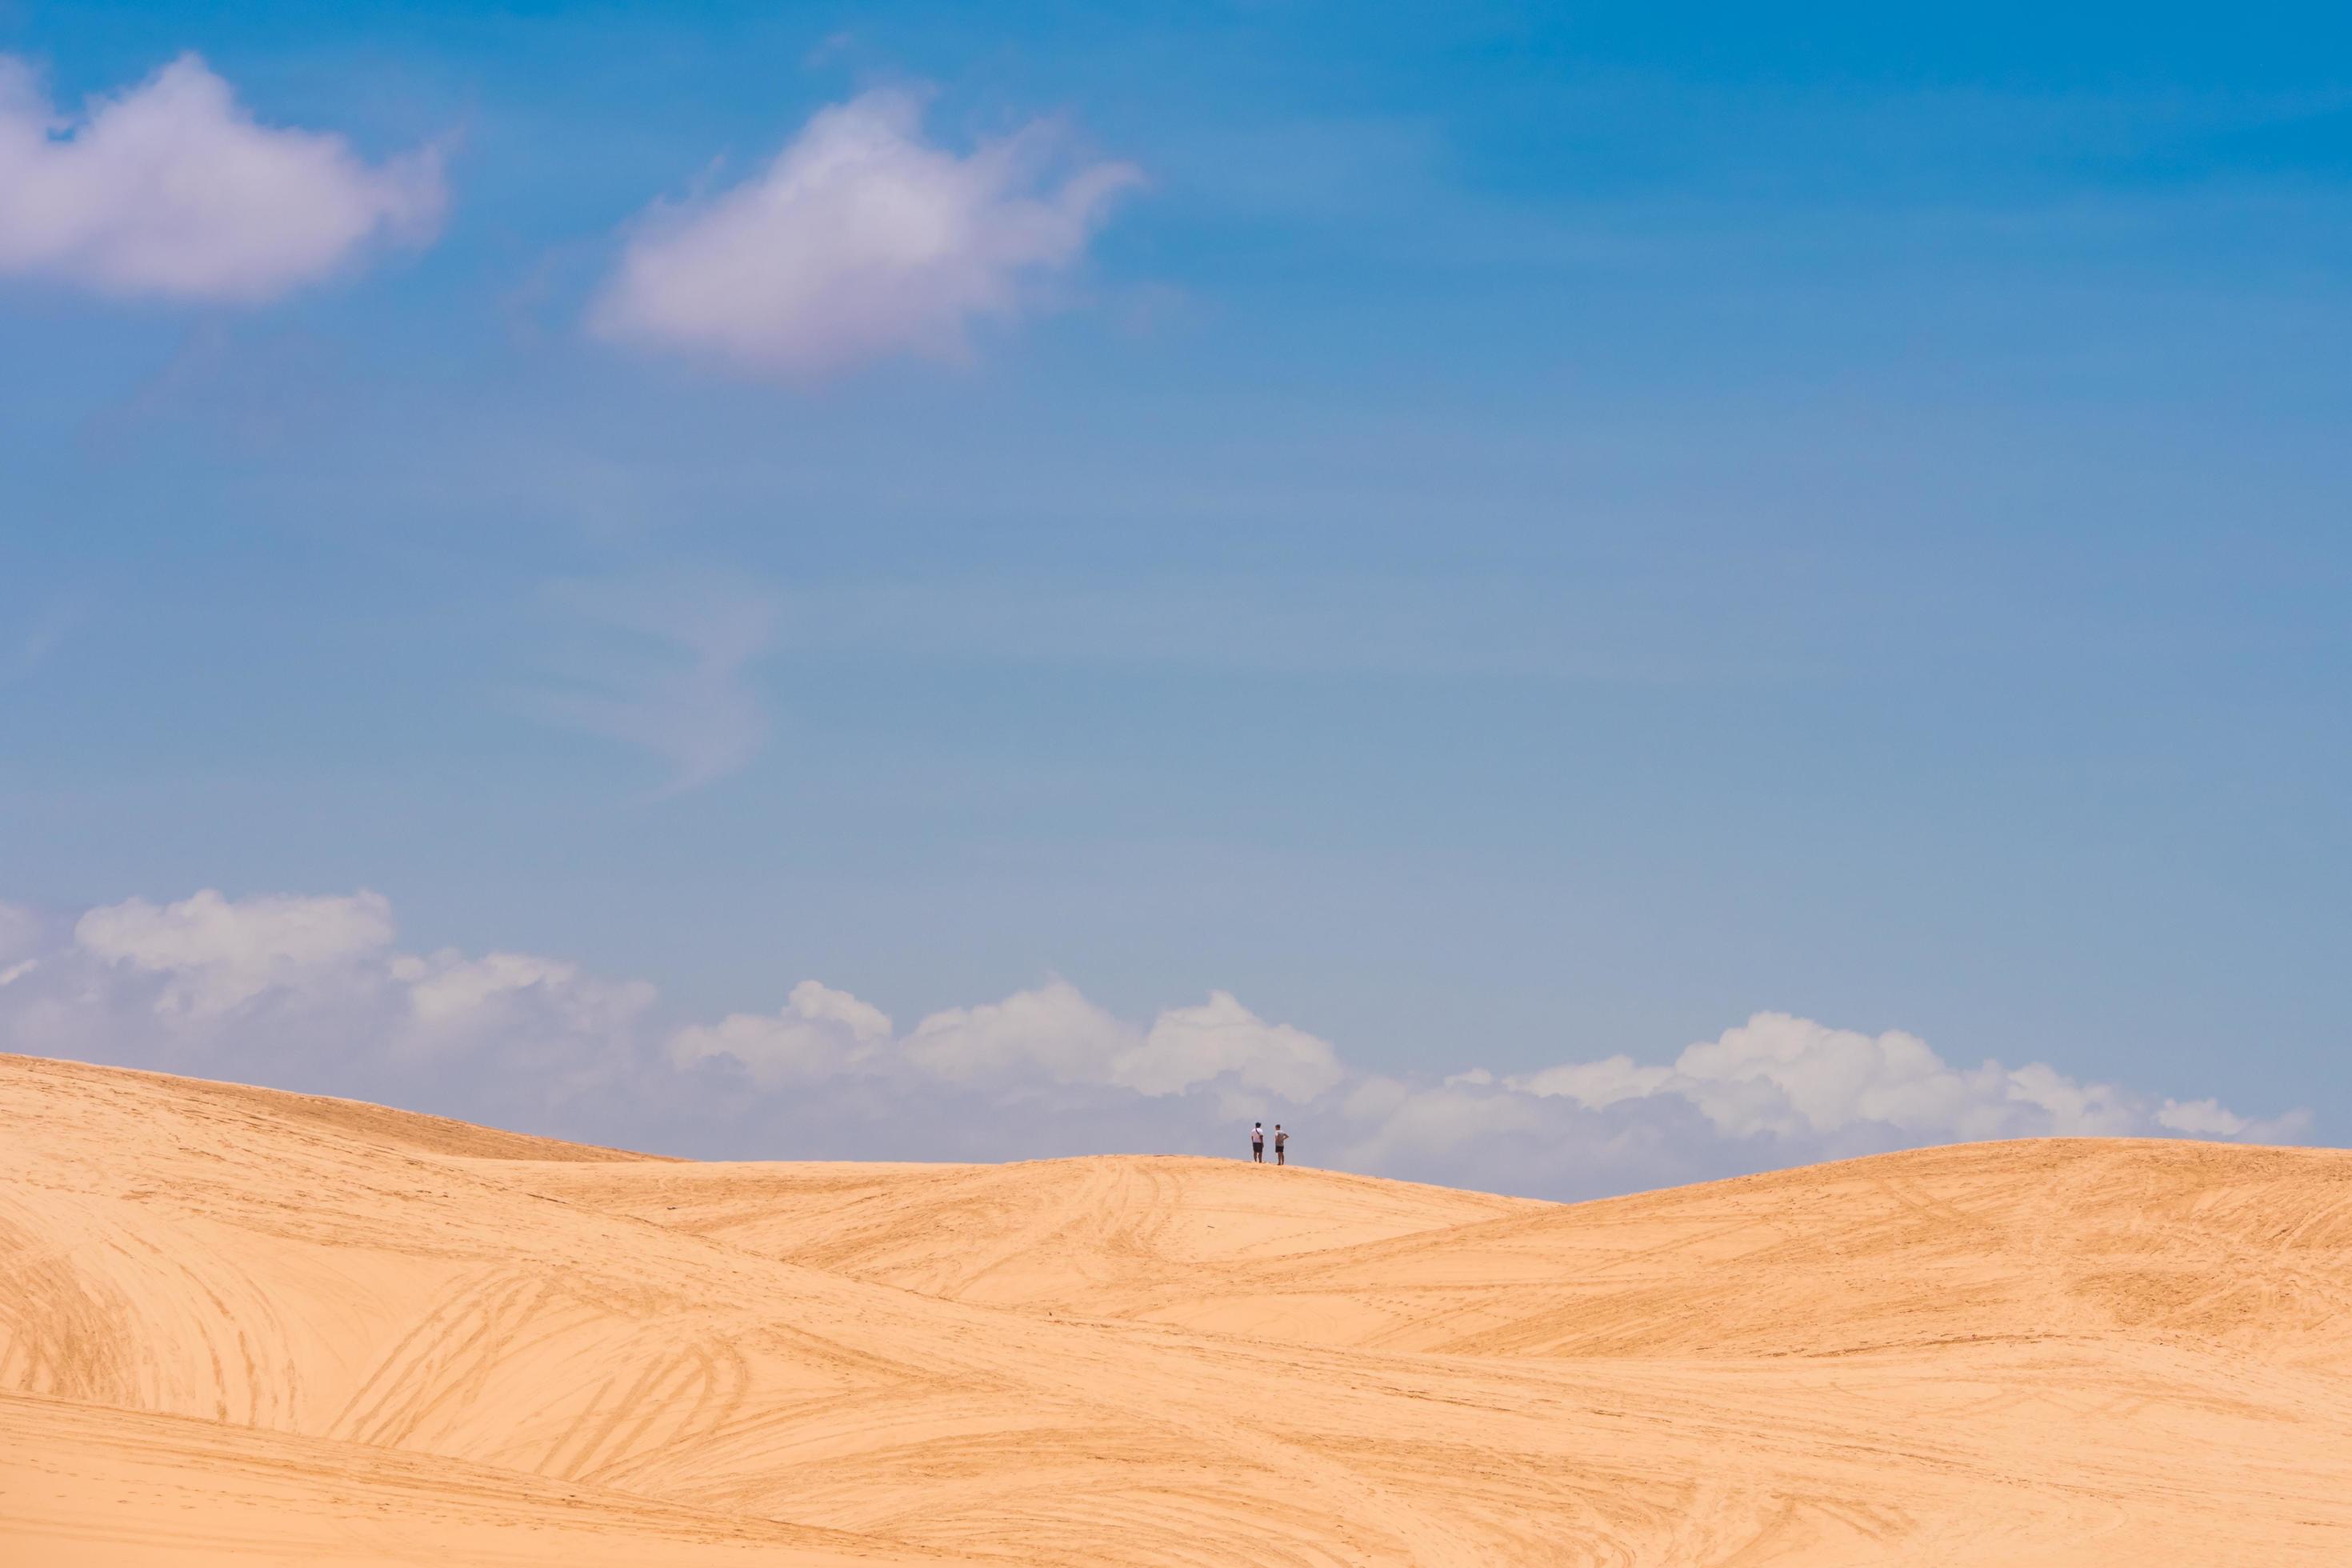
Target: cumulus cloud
<point x="819" y="1032"/>
<point x="216" y="954"/>
<point x="1777" y="1089"/>
<point x="1053" y="1032"/>
<point x="1051" y="1036"/>
<point x="858" y="241"/>
<point x="513" y="1000"/>
<point x="173" y="189"/>
<point x="1786" y="1077"/>
<point x="316" y="992"/>
<point x="312" y="993"/>
<point x="1192" y="1046"/>
<point x="2211" y="1119"/>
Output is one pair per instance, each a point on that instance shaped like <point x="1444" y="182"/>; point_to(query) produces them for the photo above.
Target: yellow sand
<point x="240" y="1326"/>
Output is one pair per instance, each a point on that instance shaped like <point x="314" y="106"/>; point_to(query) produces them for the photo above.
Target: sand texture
<point x="238" y="1326"/>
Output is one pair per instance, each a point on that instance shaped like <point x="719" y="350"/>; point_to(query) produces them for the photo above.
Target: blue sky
<point x="1499" y="539"/>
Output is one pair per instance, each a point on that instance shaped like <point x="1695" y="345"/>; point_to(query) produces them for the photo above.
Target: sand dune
<point x="236" y="1325"/>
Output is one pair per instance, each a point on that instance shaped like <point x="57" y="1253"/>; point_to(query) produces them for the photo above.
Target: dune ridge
<point x="239" y="1326"/>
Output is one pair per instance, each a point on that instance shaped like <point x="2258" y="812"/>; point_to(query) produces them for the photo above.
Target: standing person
<point x="1257" y="1142"/>
<point x="1281" y="1142"/>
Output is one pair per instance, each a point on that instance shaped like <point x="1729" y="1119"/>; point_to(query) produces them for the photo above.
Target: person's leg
<point x="1281" y="1155"/>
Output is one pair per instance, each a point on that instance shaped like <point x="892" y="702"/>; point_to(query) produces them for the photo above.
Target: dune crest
<point x="238" y="1325"/>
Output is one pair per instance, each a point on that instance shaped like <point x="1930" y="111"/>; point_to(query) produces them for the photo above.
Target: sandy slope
<point x="242" y="1326"/>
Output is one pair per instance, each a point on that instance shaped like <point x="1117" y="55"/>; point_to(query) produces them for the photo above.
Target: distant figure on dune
<point x="1281" y="1142"/>
<point x="1257" y="1142"/>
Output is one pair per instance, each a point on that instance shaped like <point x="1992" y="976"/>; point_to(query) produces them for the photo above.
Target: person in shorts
<point x="1257" y="1142"/>
<point x="1281" y="1142"/>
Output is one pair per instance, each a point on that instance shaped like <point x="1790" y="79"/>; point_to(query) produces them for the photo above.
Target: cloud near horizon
<point x="313" y="993"/>
<point x="1051" y="1035"/>
<point x="858" y="240"/>
<point x="172" y="189"/>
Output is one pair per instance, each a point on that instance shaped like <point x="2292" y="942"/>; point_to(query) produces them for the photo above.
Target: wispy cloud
<point x="665" y="666"/>
<point x="34" y="640"/>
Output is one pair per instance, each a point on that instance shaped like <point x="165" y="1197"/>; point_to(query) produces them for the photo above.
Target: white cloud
<point x="1782" y="1076"/>
<point x="448" y="987"/>
<point x="2211" y="1119"/>
<point x="858" y="241"/>
<point x="313" y="993"/>
<point x="218" y="955"/>
<point x="1192" y="1046"/>
<point x="1052" y="1031"/>
<point x="820" y="1032"/>
<point x="453" y="998"/>
<point x="1051" y="1035"/>
<point x="1777" y="1089"/>
<point x="309" y="993"/>
<point x="2040" y="1096"/>
<point x="173" y="189"/>
<point x="1595" y="1085"/>
<point x="1410" y="1123"/>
